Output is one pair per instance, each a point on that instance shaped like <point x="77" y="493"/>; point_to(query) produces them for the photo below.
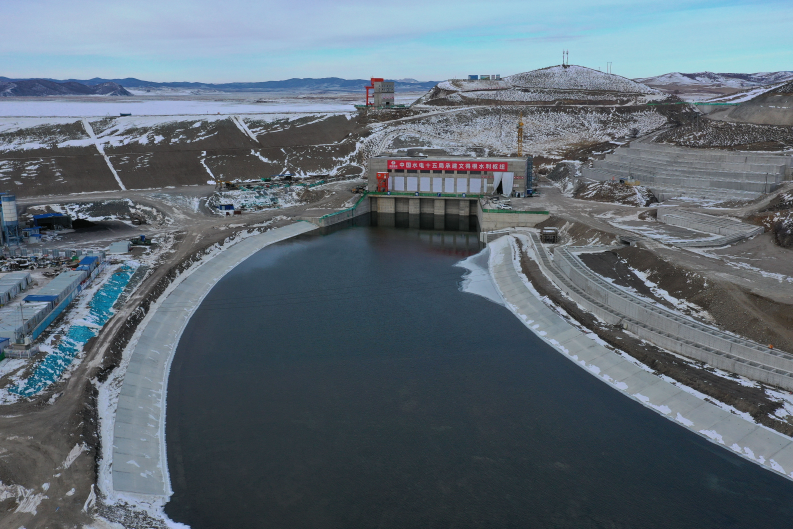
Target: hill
<point x="43" y="87"/>
<point x="572" y="84"/>
<point x="326" y="84"/>
<point x="771" y="107"/>
<point x="717" y="80"/>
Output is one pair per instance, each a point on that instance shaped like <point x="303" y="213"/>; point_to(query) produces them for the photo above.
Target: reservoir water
<point x="345" y="381"/>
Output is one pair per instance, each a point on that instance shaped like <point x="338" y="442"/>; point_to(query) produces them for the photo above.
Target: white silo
<point x="10" y="219"/>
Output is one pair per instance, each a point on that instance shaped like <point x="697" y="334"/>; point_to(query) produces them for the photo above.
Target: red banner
<point x="457" y="165"/>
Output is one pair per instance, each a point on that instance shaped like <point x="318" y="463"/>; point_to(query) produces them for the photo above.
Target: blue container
<point x="90" y="263"/>
<point x="37" y="297"/>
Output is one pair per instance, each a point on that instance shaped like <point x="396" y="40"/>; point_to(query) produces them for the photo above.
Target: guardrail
<point x="345" y="210"/>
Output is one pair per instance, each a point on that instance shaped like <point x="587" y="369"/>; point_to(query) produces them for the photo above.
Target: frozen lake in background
<point x="143" y="107"/>
<point x="100" y="106"/>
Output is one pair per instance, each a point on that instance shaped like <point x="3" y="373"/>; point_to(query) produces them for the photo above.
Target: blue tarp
<point x="101" y="309"/>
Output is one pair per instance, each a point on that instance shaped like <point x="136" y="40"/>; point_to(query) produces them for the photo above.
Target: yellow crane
<point x="520" y="135"/>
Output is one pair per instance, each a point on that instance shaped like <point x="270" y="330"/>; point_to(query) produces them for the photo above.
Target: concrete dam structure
<point x="456" y="186"/>
<point x="704" y="173"/>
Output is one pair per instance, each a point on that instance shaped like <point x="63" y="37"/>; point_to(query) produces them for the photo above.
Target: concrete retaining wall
<point x="706" y="223"/>
<point x="674" y="171"/>
<point x="498" y="220"/>
<point x="731" y="231"/>
<point x="138" y="444"/>
<point x="663" y="327"/>
<point x="362" y="207"/>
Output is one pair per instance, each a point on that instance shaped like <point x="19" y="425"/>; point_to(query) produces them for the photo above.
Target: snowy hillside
<point x="577" y="78"/>
<point x="42" y="87"/>
<point x="556" y="83"/>
<point x="726" y="80"/>
<point x="786" y="88"/>
<point x="549" y="132"/>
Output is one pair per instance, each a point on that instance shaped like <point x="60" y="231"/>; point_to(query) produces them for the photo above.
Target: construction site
<point x="648" y="239"/>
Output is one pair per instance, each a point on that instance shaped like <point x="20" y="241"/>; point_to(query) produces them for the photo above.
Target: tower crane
<point x="520" y="135"/>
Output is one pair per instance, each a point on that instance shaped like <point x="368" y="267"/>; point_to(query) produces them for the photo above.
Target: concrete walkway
<point x="139" y="458"/>
<point x="756" y="443"/>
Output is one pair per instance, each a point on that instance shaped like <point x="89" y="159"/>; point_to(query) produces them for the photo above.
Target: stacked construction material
<point x="702" y="173"/>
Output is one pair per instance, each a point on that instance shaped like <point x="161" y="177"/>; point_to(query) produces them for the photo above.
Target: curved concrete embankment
<point x="139" y="459"/>
<point x="661" y="326"/>
<point x="756" y="443"/>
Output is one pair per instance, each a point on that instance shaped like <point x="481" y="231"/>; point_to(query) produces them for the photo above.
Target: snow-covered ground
<point x="726" y="80"/>
<point x="547" y="132"/>
<point x="577" y="78"/>
<point x="546" y="84"/>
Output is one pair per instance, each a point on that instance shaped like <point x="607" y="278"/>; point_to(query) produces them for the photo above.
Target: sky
<point x="234" y="40"/>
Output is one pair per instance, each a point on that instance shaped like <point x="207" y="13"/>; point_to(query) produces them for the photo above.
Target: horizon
<point x="403" y="79"/>
<point x="199" y="40"/>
